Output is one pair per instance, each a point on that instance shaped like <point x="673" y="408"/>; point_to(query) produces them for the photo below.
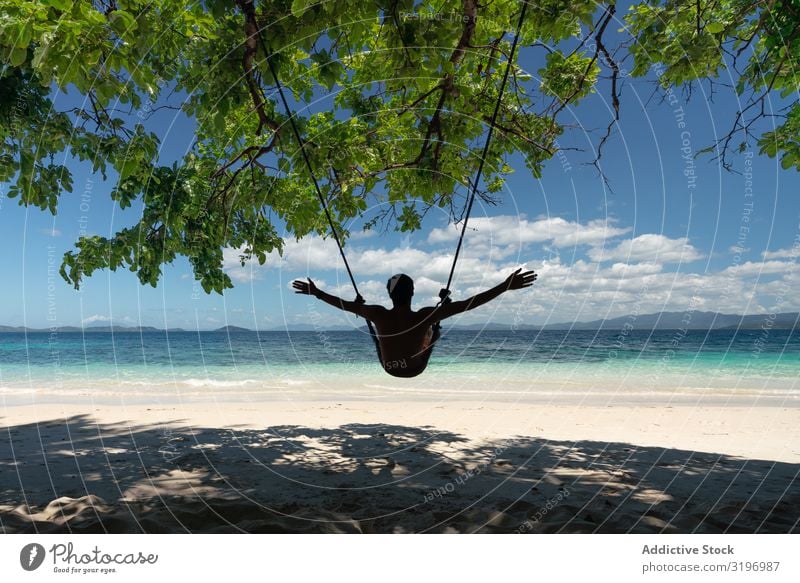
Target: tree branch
<point x="250" y="49"/>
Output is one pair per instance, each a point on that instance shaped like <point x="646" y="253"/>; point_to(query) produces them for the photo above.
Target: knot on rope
<point x="359" y="299"/>
<point x="444" y="296"/>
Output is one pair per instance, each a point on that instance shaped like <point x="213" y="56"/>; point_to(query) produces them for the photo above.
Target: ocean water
<point x="504" y="364"/>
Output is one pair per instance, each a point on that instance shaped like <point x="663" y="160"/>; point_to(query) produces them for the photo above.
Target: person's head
<point x="400" y="288"/>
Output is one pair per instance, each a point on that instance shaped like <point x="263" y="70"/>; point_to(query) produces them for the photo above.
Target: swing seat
<point x="401" y="368"/>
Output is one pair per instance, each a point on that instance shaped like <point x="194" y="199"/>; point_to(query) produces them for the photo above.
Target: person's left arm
<point x="359" y="308"/>
<point x="517" y="280"/>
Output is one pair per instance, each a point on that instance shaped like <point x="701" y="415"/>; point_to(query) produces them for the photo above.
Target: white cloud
<point x="366" y="234"/>
<point x="589" y="291"/>
<point x="649" y="247"/>
<point x="236" y="271"/>
<point x="95" y="318"/>
<point x="426" y="291"/>
<point x="762" y="268"/>
<point x="790" y="253"/>
<point x="489" y="239"/>
<point x="626" y="276"/>
<point x="313" y="254"/>
<point x="398" y="260"/>
<point x="512" y="230"/>
<point x="586" y="290"/>
<point x="634" y="269"/>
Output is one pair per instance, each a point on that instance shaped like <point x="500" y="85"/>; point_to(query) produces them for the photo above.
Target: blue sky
<point x="657" y="240"/>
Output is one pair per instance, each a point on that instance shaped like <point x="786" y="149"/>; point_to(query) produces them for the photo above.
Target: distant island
<point x="689" y="320"/>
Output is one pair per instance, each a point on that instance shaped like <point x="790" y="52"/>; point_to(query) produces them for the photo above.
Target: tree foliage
<point x="407" y="88"/>
<point x="754" y="43"/>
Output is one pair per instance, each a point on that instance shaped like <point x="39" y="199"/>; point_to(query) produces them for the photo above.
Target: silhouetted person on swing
<point x="406" y="337"/>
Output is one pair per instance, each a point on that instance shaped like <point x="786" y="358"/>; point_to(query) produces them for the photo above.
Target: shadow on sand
<point x="76" y="475"/>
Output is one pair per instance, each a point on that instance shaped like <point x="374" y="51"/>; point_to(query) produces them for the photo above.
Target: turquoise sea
<point x="506" y="364"/>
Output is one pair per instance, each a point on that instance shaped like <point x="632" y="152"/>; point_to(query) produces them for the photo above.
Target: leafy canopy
<point x="409" y="86"/>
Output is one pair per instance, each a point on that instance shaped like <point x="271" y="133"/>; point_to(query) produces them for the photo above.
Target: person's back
<point x="406" y="337"/>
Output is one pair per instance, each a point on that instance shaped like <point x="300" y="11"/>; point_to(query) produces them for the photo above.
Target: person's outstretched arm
<point x="516" y="280"/>
<point x="358" y="308"/>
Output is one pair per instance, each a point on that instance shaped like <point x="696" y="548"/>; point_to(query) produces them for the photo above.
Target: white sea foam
<point x="218" y="383"/>
<point x="573" y="382"/>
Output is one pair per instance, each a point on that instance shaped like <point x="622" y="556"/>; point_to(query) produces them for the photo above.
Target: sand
<point x="356" y="466"/>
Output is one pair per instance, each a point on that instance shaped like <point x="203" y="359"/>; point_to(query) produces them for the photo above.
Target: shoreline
<point x="423" y="395"/>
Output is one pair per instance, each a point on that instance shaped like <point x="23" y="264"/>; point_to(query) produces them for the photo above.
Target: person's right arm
<point x="516" y="280"/>
<point x="358" y="308"/>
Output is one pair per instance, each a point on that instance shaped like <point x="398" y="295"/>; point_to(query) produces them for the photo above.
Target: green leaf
<point x="63" y="5"/>
<point x="39" y="55"/>
<point x="568" y="77"/>
<point x="18" y="56"/>
<point x="123" y="23"/>
<point x="715" y="27"/>
<point x="128" y="167"/>
<point x="300" y="6"/>
<point x="91" y="58"/>
<point x="25" y="35"/>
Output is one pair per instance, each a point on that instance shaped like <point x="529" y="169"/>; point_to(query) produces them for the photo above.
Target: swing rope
<point x="444" y="294"/>
<point x="302" y="144"/>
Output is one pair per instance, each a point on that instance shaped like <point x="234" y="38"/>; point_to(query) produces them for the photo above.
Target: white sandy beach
<point x="402" y="466"/>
